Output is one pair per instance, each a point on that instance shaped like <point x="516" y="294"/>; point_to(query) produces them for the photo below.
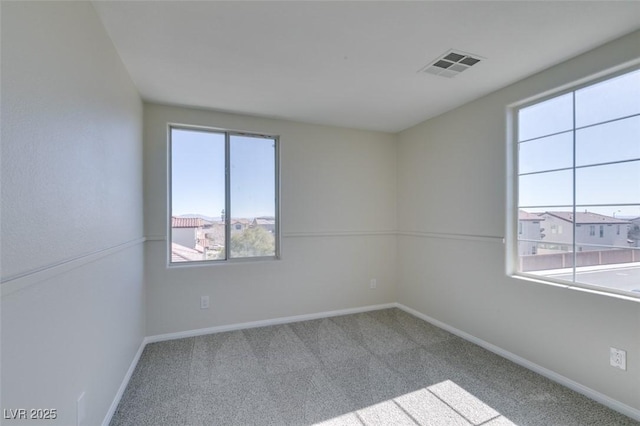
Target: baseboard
<point x="552" y="375"/>
<point x="265" y="323"/>
<point x="123" y="386"/>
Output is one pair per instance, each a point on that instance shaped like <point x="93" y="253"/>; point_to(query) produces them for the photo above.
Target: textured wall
<point x="73" y="299"/>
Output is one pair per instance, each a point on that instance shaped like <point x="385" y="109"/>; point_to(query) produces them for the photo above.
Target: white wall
<point x="71" y="206"/>
<point x="452" y="179"/>
<point x="338" y="214"/>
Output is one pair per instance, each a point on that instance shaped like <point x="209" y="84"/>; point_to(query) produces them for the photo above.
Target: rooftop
<point x="188" y="222"/>
<point x="523" y="215"/>
<point x="587" y="218"/>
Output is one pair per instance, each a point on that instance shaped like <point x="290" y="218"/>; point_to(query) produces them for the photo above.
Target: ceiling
<point x="348" y="64"/>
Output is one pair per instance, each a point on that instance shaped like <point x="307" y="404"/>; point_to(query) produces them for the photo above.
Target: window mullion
<point x="575" y="252"/>
<point x="227" y="196"/>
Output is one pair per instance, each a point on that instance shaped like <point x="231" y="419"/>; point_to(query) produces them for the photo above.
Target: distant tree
<point x="215" y="254"/>
<point x="253" y="242"/>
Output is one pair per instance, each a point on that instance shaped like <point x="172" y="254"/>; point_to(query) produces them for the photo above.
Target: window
<point x="223" y="190"/>
<point x="577" y="156"/>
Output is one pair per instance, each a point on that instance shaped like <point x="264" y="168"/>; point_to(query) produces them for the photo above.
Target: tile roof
<point x="188" y="222"/>
<point x="587" y="218"/>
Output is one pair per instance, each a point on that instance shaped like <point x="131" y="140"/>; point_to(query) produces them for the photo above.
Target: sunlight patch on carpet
<point x="444" y="403"/>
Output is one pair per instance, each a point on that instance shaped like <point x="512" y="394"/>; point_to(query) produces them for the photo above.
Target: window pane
<point x="545" y="118"/>
<point x="614" y="98"/>
<point x="611" y="184"/>
<point x="553" y="152"/>
<point x="253" y="198"/>
<point x="615" y="141"/>
<point x="607" y="238"/>
<point x="546" y="189"/>
<point x="197" y="195"/>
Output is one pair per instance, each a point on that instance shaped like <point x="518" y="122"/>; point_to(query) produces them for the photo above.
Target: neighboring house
<point x="528" y="229"/>
<point x="184" y="230"/>
<point x="593" y="231"/>
<point x="634" y="232"/>
<point x="268" y="223"/>
<point x="239" y="225"/>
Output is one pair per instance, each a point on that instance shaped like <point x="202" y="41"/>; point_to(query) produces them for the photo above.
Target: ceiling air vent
<point x="451" y="63"/>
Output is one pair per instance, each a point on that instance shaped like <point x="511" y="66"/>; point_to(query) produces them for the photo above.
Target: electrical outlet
<point x="373" y="283"/>
<point x="618" y="358"/>
<point x="204" y="302"/>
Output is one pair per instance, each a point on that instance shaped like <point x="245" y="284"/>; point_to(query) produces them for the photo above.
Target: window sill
<point x="585" y="288"/>
<point x="246" y="261"/>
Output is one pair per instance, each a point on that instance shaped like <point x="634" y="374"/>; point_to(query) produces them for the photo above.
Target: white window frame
<point x="228" y="133"/>
<point x="512" y="207"/>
